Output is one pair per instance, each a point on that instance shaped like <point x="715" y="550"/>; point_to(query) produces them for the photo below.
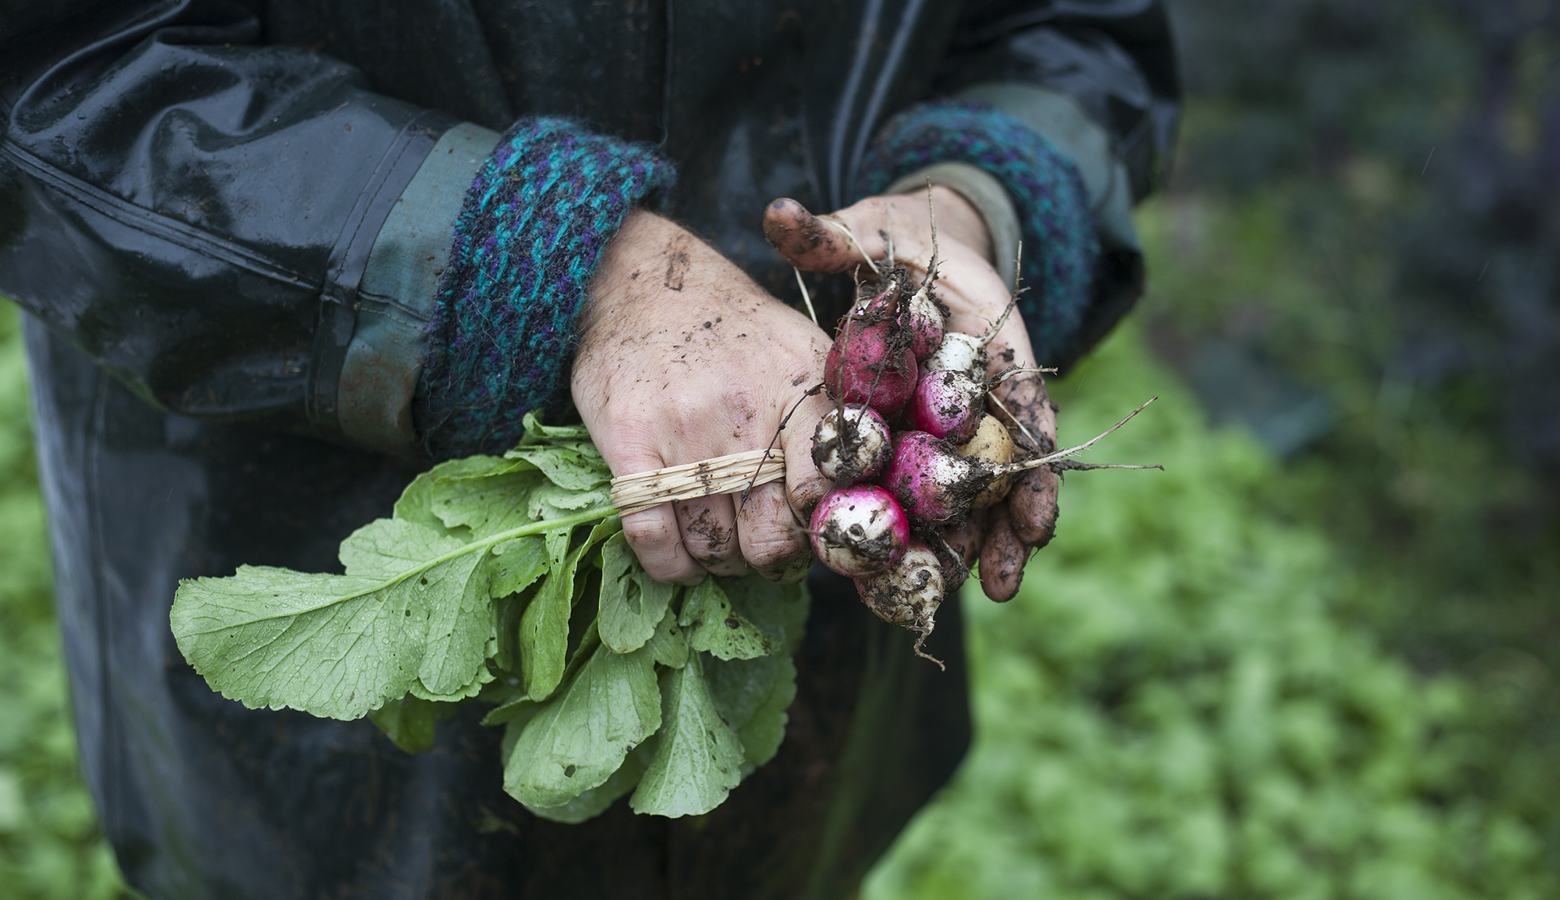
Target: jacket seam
<point x="147" y="221"/>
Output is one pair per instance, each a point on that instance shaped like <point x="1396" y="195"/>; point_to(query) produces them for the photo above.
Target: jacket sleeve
<point x="1097" y="79"/>
<point x="192" y="208"/>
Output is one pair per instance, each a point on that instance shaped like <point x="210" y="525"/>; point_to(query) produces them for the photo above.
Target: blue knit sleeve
<point x="526" y="244"/>
<point x="1057" y="229"/>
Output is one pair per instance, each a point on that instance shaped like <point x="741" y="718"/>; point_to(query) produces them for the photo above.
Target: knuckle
<point x="651" y="535"/>
<point x="767" y="538"/>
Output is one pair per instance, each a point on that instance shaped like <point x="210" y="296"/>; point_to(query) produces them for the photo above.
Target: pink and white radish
<point x="935" y="485"/>
<point x="859" y="531"/>
<point x="947" y="404"/>
<point x="931" y="482"/>
<point x="921" y="317"/>
<point x="851" y="443"/>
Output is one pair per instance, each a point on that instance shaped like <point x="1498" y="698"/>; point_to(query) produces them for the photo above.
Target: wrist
<point x="960" y="220"/>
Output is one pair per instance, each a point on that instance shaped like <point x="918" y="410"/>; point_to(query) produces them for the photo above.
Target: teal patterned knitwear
<point x="1058" y="231"/>
<point x="526" y="245"/>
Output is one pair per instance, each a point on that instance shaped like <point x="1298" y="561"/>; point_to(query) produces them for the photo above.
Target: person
<point x="277" y="256"/>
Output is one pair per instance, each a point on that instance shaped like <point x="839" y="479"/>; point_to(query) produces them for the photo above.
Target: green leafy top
<point x="508" y="579"/>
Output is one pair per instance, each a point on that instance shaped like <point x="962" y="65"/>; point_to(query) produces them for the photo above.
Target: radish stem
<point x="806" y="297"/>
<point x="1039" y="461"/>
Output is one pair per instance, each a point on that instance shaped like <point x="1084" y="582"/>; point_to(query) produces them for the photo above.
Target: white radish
<point x="992" y="445"/>
<point x="907" y="593"/>
<point x="851" y="443"/>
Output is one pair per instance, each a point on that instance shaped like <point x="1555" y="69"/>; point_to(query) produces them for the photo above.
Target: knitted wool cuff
<point x="526" y="244"/>
<point x="1059" y="243"/>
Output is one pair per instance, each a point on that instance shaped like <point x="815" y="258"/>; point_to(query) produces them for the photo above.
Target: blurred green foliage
<point x="50" y="846"/>
<point x="1178" y="703"/>
<point x="1331" y="674"/>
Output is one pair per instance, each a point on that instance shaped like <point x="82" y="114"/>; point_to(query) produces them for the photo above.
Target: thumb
<point x="806" y="241"/>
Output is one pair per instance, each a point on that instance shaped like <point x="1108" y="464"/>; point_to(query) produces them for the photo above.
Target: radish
<point x="871" y="364"/>
<point x="947" y="404"/>
<point x="992" y="445"/>
<point x="859" y="531"/>
<point x="921" y="317"/>
<point x="932" y="483"/>
<point x="917" y="312"/>
<point x="851" y="443"/>
<point x="936" y="485"/>
<point x="907" y="594"/>
<point x="960" y="352"/>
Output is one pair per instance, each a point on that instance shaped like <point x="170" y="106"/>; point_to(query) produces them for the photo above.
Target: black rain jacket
<point x="189" y="191"/>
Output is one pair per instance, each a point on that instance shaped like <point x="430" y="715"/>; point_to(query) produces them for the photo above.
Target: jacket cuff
<point x="531" y="230"/>
<point x="1060" y="119"/>
<point x="1119" y="273"/>
<point x="384" y="360"/>
<point x="990" y="199"/>
<point x="1046" y="189"/>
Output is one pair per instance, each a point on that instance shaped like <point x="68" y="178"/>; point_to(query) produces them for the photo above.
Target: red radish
<point x="916" y="312"/>
<point x="870" y="364"/>
<point x="859" y="531"/>
<point x="947" y="404"/>
<point x="851" y="443"/>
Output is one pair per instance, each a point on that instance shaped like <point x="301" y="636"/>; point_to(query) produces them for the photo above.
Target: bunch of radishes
<point x="910" y="448"/>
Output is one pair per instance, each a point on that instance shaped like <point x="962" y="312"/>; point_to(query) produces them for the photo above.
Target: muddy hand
<point x="683" y="358"/>
<point x="975" y="293"/>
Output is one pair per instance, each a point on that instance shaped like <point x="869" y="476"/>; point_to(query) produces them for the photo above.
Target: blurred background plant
<point x="1316" y="656"/>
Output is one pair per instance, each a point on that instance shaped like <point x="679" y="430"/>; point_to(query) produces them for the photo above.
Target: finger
<point x="806" y="241"/>
<point x="770" y="521"/>
<point x="1032" y="507"/>
<point x="709" y="534"/>
<point x="653" y="534"/>
<point x="1002" y="558"/>
<point x="771" y="542"/>
<point x="654" y="537"/>
<point x="1025" y="407"/>
<point x="966" y="540"/>
<point x="804" y="484"/>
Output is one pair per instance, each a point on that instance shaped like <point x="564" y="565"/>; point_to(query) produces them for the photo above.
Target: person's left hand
<point x="1002" y="536"/>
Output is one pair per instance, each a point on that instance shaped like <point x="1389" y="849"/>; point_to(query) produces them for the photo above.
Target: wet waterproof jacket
<point x="195" y="198"/>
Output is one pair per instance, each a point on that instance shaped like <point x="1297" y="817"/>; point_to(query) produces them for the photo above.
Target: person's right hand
<point x="682" y="357"/>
